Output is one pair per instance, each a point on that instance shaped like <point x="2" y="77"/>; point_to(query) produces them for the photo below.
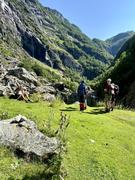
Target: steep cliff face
<point x="47" y="36"/>
<point x="23" y="22"/>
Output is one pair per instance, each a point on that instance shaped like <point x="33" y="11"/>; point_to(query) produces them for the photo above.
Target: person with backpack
<point x="82" y="91"/>
<point x="108" y="90"/>
<point x="114" y="96"/>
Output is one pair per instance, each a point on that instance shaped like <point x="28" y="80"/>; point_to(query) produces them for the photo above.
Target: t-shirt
<point x="108" y="88"/>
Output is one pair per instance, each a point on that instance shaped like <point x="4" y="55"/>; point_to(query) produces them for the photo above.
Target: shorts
<point x="108" y="97"/>
<point x="82" y="99"/>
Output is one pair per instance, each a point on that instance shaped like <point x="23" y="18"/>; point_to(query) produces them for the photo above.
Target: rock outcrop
<point x="22" y="134"/>
<point x="12" y="77"/>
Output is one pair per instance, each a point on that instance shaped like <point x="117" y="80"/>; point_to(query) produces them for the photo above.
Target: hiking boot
<point x="111" y="109"/>
<point x="107" y="110"/>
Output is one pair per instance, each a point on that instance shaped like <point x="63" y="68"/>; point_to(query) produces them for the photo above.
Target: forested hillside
<point x="123" y="74"/>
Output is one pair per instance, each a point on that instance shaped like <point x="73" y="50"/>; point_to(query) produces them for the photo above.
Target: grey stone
<point x="22" y="133"/>
<point x="49" y="97"/>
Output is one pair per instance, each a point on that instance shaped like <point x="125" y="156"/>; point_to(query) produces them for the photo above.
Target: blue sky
<point x="97" y="18"/>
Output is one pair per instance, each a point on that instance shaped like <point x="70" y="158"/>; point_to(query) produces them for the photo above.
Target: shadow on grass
<point x="96" y="111"/>
<point x="69" y="109"/>
<point x="40" y="176"/>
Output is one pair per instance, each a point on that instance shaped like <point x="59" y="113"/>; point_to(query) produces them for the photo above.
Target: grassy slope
<point x="111" y="156"/>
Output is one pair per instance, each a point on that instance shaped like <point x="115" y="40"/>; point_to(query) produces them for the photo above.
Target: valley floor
<point x="100" y="146"/>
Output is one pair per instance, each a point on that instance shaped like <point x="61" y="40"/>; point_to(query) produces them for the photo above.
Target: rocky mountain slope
<point x="45" y="35"/>
<point x="27" y="29"/>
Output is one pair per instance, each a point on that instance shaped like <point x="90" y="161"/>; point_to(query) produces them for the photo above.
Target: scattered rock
<point x="60" y="86"/>
<point x="49" y="97"/>
<point x="46" y="89"/>
<point x="23" y="74"/>
<point x="2" y="90"/>
<point x="11" y="78"/>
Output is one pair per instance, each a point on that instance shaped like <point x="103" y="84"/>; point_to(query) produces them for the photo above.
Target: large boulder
<point x="22" y="134"/>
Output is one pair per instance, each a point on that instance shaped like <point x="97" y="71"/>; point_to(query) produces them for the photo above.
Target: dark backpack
<point x="81" y="89"/>
<point x="116" y="89"/>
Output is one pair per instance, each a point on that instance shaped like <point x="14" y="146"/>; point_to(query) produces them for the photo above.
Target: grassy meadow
<point x="99" y="146"/>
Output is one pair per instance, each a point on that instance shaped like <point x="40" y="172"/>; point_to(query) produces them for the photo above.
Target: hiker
<point x="89" y="93"/>
<point x="108" y="90"/>
<point x="82" y="95"/>
<point x="114" y="95"/>
<point x="21" y="93"/>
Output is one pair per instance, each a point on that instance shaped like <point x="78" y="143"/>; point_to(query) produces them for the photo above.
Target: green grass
<point x="100" y="146"/>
